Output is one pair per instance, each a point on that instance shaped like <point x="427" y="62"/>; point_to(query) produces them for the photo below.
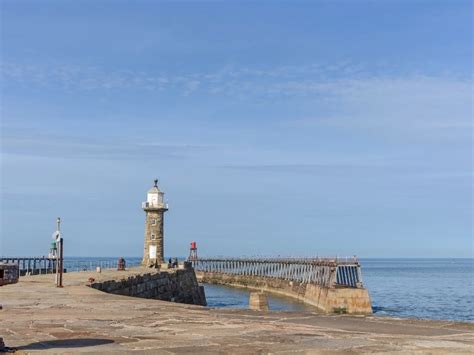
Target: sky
<point x="275" y="128"/>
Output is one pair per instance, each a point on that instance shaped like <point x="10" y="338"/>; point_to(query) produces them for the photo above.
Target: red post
<point x="193" y="252"/>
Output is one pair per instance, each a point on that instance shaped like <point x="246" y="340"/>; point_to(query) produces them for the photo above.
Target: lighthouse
<point x="154" y="208"/>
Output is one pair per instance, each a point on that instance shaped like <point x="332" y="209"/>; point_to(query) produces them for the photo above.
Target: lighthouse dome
<point x="154" y="190"/>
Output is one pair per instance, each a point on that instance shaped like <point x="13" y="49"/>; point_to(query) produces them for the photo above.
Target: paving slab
<point x="38" y="317"/>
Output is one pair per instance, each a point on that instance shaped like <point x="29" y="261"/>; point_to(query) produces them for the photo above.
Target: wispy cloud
<point x="289" y="80"/>
<point x="343" y="94"/>
<point x="75" y="147"/>
<point x="351" y="170"/>
<point x="417" y="105"/>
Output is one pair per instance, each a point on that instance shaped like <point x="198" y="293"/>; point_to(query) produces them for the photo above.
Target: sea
<point x="439" y="289"/>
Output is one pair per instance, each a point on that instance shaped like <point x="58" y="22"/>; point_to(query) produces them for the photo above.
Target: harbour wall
<point x="328" y="299"/>
<point x="175" y="285"/>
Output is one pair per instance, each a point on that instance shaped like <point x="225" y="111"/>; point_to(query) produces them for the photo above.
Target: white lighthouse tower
<point x="154" y="208"/>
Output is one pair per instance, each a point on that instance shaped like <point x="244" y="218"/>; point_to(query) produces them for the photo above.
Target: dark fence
<point x="45" y="265"/>
<point x="32" y="265"/>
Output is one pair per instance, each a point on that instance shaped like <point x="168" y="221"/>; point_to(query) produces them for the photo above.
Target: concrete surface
<point x="37" y="316"/>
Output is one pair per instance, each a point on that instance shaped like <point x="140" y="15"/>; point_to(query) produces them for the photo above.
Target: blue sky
<point x="275" y="128"/>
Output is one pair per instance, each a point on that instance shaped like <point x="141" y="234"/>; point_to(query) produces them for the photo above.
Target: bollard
<point x="258" y="301"/>
<point x="98" y="269"/>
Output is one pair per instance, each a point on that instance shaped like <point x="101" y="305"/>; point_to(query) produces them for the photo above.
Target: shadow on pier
<point x="64" y="343"/>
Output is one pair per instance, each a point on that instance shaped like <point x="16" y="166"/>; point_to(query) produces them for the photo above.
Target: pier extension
<point x="332" y="285"/>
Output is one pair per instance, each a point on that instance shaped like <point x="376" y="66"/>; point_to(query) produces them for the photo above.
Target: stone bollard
<point x="98" y="269"/>
<point x="258" y="301"/>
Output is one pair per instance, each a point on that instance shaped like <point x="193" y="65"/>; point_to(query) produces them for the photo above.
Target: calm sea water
<point x="409" y="288"/>
<point x="421" y="288"/>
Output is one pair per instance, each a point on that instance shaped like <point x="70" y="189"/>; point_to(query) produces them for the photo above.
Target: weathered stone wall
<point x="331" y="300"/>
<point x="178" y="285"/>
<point x="154" y="226"/>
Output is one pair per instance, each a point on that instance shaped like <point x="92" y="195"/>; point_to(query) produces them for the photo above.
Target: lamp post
<point x="59" y="255"/>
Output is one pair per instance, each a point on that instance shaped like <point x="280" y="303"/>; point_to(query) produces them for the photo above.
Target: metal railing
<point x="154" y="205"/>
<point x="87" y="265"/>
<point x="32" y="265"/>
<point x="45" y="265"/>
<point x="328" y="272"/>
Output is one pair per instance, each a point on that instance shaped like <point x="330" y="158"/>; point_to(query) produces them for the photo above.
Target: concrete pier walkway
<point x="37" y="316"/>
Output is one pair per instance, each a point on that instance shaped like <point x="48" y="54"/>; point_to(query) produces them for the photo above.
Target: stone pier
<point x="327" y="299"/>
<point x="173" y="285"/>
<point x="333" y="285"/>
<point x="39" y="317"/>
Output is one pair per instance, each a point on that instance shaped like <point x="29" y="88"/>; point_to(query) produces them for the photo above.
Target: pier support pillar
<point x="258" y="301"/>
